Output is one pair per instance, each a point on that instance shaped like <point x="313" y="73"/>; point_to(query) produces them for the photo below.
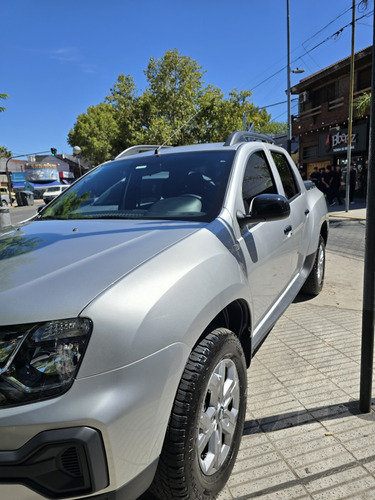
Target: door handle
<point x="307" y="211"/>
<point x="287" y="229"/>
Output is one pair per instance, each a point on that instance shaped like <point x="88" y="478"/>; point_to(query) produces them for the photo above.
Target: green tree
<point x="96" y="133"/>
<point x="175" y="108"/>
<point x="172" y="97"/>
<point x="5" y="153"/>
<point x="3" y="96"/>
<point x="128" y="112"/>
<point x="362" y="102"/>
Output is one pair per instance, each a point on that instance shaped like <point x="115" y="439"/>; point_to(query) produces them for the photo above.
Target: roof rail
<point x="142" y="148"/>
<point x="244" y="136"/>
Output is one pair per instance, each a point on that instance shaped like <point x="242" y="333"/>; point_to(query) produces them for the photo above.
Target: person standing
<point x="335" y="185"/>
<point x="327" y="180"/>
<point x="352" y="183"/>
<point x="315" y="176"/>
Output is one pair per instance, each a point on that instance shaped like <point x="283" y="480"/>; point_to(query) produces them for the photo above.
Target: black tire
<point x="314" y="283"/>
<point x="187" y="470"/>
<point x="4" y="203"/>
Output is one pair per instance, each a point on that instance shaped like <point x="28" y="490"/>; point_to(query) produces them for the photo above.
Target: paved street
<point x="347" y="237"/>
<point x="18" y="214"/>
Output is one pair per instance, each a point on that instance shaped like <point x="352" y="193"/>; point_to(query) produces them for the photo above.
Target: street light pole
<point x="350" y="117"/>
<point x="77" y="152"/>
<point x="289" y="131"/>
<point x="297" y="70"/>
<point x="368" y="311"/>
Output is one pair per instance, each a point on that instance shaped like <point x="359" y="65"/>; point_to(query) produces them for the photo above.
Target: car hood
<point x="53" y="269"/>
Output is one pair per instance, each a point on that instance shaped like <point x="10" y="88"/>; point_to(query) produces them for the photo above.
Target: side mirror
<point x="265" y="207"/>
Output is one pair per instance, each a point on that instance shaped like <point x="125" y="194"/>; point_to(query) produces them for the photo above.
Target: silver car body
<point x="150" y="288"/>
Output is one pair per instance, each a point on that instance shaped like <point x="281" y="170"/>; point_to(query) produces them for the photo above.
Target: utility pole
<point x="289" y="132"/>
<point x="350" y="118"/>
<point x="368" y="316"/>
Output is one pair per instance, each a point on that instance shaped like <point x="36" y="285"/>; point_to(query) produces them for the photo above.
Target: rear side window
<point x="285" y="171"/>
<point x="257" y="179"/>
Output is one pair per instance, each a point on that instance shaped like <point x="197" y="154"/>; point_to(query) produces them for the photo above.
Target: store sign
<point x="41" y="172"/>
<point x="336" y="141"/>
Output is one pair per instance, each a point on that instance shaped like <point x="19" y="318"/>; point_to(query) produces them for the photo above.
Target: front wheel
<point x="314" y="283"/>
<point x="206" y="423"/>
<point x="4" y="203"/>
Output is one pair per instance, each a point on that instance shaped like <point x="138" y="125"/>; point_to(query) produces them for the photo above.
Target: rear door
<point x="298" y="209"/>
<point x="267" y="247"/>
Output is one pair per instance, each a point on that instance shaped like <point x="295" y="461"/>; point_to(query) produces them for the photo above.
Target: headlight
<point x="40" y="361"/>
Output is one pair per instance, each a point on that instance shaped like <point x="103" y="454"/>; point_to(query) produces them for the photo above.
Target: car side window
<point x="285" y="171"/>
<point x="258" y="178"/>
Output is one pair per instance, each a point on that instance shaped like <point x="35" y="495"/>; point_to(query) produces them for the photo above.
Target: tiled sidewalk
<point x="304" y="434"/>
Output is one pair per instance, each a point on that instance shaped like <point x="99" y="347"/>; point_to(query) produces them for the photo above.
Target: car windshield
<point x="187" y="186"/>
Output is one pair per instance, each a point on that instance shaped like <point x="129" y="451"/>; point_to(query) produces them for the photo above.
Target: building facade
<point x="323" y="112"/>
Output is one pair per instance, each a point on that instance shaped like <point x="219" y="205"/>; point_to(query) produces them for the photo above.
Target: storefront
<point x="335" y="143"/>
<point x="40" y="176"/>
<point x="331" y="148"/>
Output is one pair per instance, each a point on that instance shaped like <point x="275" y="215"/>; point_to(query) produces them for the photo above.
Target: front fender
<point x="171" y="298"/>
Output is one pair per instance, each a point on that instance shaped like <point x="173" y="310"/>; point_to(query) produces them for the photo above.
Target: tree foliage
<point x="176" y="107"/>
<point x="362" y="102"/>
<point x="96" y="133"/>
<point x="3" y="96"/>
<point x="5" y="153"/>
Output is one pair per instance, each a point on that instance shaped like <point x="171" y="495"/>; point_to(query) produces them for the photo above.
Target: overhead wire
<point x="307" y="52"/>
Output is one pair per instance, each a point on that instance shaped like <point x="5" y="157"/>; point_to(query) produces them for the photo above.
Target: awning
<point x="44" y="185"/>
<point x="18" y="185"/>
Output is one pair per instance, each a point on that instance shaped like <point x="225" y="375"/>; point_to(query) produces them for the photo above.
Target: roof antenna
<point x="156" y="152"/>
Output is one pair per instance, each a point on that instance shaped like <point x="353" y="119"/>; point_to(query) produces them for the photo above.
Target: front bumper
<point x="60" y="463"/>
<point x="127" y="409"/>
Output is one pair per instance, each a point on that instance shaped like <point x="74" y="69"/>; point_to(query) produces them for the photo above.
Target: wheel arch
<point x="236" y="318"/>
<point x="324" y="231"/>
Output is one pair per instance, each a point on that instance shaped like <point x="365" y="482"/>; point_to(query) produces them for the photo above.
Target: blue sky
<point x="58" y="57"/>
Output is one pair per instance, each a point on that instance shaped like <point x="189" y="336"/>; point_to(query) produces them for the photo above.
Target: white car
<point x="51" y="192"/>
<point x="5" y="201"/>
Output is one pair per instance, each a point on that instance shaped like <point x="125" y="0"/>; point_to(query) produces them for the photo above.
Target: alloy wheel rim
<point x="320" y="267"/>
<point x="219" y="415"/>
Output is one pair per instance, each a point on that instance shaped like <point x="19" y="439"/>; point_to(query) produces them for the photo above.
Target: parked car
<point x="5" y="200"/>
<point x="51" y="192"/>
<point x="166" y="271"/>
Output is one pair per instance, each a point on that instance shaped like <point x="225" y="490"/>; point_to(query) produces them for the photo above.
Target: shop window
<point x="364" y="78"/>
<point x="331" y="90"/>
<point x="325" y="94"/>
<point x="310" y="152"/>
<point x="317" y="97"/>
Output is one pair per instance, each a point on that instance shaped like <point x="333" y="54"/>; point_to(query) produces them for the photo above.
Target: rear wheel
<point x="206" y="423"/>
<point x="314" y="283"/>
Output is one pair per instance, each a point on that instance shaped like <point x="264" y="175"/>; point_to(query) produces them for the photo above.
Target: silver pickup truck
<point x="130" y="309"/>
